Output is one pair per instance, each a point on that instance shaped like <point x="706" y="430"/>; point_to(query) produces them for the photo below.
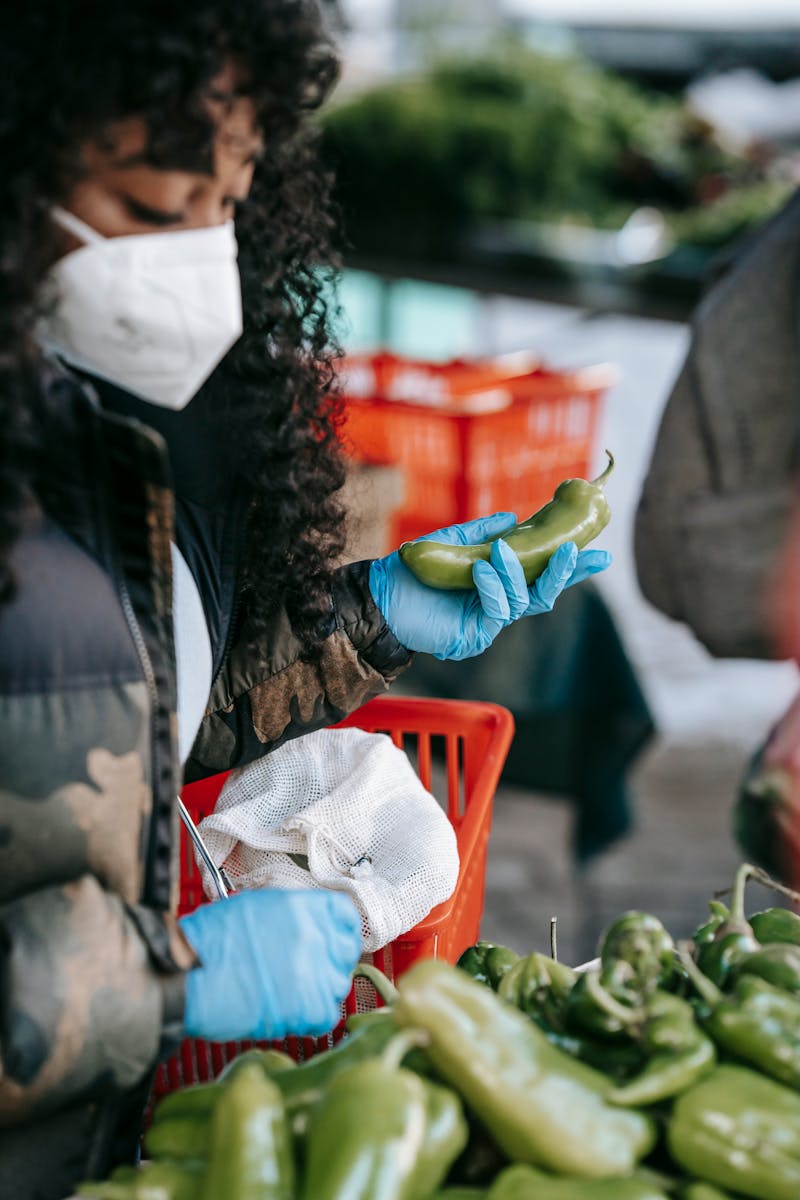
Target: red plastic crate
<point x="471" y="437"/>
<point x="475" y="739"/>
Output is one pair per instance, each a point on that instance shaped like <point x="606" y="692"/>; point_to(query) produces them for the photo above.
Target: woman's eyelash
<point x="150" y="216"/>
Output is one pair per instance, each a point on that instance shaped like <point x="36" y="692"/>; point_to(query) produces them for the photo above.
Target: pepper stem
<point x="704" y="986"/>
<point x="603" y="479"/>
<point x="744" y="873"/>
<point x="554" y="939"/>
<point x="383" y="986"/>
<point x="768" y="882"/>
<point x="400" y="1045"/>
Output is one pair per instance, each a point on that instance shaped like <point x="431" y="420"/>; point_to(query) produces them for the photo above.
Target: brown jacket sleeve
<point x="85" y="1007"/>
<point x="258" y="702"/>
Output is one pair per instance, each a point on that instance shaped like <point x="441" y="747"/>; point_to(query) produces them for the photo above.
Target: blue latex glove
<point x="272" y="963"/>
<point x="460" y="624"/>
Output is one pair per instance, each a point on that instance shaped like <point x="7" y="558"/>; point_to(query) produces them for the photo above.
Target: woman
<point x="169" y="524"/>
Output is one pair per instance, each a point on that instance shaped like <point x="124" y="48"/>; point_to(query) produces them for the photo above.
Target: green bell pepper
<point x="180" y="1138"/>
<point x="539" y="987"/>
<point x="153" y="1181"/>
<point x="702" y="1191"/>
<point x="251" y="1149"/>
<point x="776" y="925"/>
<point x="274" y="1062"/>
<point x="445" y="1138"/>
<point x="372" y="1033"/>
<point x="760" y="1024"/>
<point x="461" y="1193"/>
<point x="381" y="1132"/>
<point x="706" y="932"/>
<point x="618" y="1060"/>
<point x="591" y="1009"/>
<point x="481" y="1159"/>
<point x="741" y="1131"/>
<point x="525" y="1183"/>
<point x="487" y="962"/>
<point x="680" y="1053"/>
<point x="777" y="962"/>
<point x="539" y="1105"/>
<point x="640" y="940"/>
<point x="733" y="940"/>
<point x="200" y="1099"/>
<point x="756" y="1022"/>
<point x="300" y="1086"/>
<point x="197" y="1101"/>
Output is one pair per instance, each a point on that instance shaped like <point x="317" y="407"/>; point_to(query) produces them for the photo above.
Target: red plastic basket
<point x="471" y="437"/>
<point x="474" y="740"/>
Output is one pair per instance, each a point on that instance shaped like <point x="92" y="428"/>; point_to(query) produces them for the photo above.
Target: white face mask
<point x="153" y="312"/>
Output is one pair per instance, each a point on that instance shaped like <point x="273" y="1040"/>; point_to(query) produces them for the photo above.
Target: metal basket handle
<point x="221" y="881"/>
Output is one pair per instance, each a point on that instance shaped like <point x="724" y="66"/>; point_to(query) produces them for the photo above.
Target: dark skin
<point x="123" y="194"/>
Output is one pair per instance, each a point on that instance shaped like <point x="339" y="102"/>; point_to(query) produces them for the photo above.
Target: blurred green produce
<point x="519" y="137"/>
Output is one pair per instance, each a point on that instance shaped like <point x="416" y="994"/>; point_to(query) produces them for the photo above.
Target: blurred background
<point x="549" y="184"/>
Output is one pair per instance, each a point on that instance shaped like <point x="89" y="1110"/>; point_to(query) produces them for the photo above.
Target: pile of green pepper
<point x="706" y="1037"/>
<point x="658" y="1073"/>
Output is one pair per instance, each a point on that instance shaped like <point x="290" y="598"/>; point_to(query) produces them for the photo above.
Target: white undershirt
<point x="192" y="653"/>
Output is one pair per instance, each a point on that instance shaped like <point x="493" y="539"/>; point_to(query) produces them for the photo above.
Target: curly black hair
<point x="68" y="70"/>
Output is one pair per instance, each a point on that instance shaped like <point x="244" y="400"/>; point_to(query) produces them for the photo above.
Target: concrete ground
<point x="710" y="714"/>
<point x="679" y="853"/>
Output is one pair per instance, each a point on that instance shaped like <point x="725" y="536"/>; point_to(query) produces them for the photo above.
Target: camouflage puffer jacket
<point x="91" y="956"/>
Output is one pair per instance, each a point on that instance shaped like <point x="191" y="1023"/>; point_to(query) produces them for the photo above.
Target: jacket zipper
<point x="137" y="637"/>
<point x="142" y="651"/>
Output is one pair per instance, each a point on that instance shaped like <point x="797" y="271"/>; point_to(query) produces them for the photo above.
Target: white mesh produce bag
<point x="339" y="808"/>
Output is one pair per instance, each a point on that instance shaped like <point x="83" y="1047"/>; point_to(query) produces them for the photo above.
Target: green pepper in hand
<point x="740" y="1131"/>
<point x="577" y="513"/>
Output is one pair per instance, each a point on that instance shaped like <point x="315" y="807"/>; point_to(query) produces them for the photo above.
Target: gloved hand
<point x="458" y="624"/>
<point x="272" y="963"/>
